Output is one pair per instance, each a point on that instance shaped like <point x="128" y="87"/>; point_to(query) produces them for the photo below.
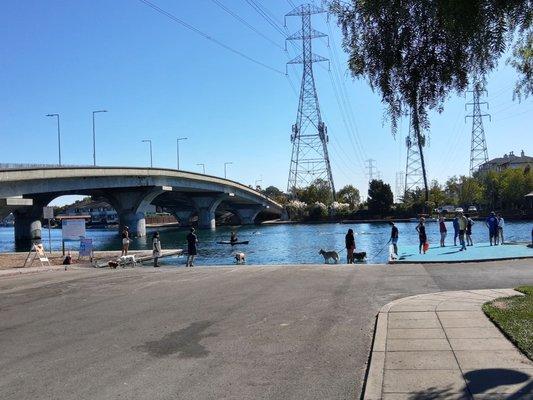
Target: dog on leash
<point x="329" y="255"/>
<point x="240" y="258"/>
<point x="360" y="256"/>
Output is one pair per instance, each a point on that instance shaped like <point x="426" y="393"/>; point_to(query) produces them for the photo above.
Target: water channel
<point x="278" y="244"/>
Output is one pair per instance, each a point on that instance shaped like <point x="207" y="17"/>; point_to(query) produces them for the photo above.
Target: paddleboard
<point x="233" y="243"/>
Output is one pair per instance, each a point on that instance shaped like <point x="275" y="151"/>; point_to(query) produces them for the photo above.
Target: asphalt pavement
<point x="273" y="332"/>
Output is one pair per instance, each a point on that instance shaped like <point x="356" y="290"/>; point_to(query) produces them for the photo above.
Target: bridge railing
<point x="29" y="166"/>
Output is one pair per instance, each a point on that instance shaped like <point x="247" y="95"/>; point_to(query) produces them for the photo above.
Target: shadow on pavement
<point x="483" y="382"/>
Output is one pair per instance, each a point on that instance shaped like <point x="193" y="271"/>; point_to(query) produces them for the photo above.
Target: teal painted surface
<point x="480" y="251"/>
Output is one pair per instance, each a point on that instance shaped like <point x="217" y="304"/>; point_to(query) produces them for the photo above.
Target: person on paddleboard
<point x="394" y="234"/>
<point x="233" y="239"/>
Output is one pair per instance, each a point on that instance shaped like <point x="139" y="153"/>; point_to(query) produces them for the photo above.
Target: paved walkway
<point x="442" y="346"/>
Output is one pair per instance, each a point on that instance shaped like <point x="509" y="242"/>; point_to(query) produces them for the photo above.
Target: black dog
<point x="360" y="256"/>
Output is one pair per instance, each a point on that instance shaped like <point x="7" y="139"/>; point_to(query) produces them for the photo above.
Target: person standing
<point x="125" y="241"/>
<point x="443" y="231"/>
<point x="455" y="230"/>
<point x="462" y="230"/>
<point x="492" y="224"/>
<point x="501" y="224"/>
<point x="469" y="223"/>
<point x="421" y="229"/>
<point x="350" y="246"/>
<point x="156" y="249"/>
<point x="394" y="234"/>
<point x="192" y="248"/>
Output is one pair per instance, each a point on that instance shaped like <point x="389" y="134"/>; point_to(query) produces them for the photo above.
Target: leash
<point x="381" y="251"/>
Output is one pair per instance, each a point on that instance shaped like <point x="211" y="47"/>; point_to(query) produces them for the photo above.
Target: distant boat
<point x="233" y="243"/>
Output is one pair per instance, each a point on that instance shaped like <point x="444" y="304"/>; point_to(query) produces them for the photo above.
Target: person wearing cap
<point x="492" y="224"/>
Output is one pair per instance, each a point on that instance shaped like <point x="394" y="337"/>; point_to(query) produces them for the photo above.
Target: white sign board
<point x="48" y="212"/>
<point x="73" y="229"/>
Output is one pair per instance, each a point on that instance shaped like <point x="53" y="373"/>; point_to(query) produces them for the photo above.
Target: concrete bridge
<point x="130" y="191"/>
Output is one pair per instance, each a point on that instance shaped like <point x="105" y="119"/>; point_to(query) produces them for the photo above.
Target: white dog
<point x="240" y="258"/>
<point x="329" y="255"/>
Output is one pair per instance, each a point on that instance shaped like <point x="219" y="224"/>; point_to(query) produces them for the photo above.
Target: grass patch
<point x="514" y="316"/>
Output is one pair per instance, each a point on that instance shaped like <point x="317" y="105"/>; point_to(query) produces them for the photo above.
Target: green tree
<point x="437" y="195"/>
<point x="380" y="197"/>
<point x="275" y="194"/>
<point x="415" y="52"/>
<point x="470" y="191"/>
<point x="515" y="184"/>
<point x="319" y="191"/>
<point x="350" y="195"/>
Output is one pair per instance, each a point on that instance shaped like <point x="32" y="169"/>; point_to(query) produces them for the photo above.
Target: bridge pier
<point x="183" y="216"/>
<point x="28" y="224"/>
<point x="206" y="207"/>
<point x="131" y="207"/>
<point x="135" y="221"/>
<point x="247" y="215"/>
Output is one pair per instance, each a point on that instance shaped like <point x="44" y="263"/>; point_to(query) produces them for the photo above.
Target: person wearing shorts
<point x="501" y="224"/>
<point x="492" y="224"/>
<point x="125" y="240"/>
<point x="421" y="229"/>
<point x="469" y="223"/>
<point x="394" y="234"/>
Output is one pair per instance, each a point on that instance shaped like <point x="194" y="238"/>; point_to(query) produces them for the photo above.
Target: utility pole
<point x="478" y="146"/>
<point x="58" y="135"/>
<point x="203" y="167"/>
<point x="414" y="174"/>
<point x="94" y="136"/>
<point x="371" y="166"/>
<point x="225" y="170"/>
<point x="178" y="149"/>
<point x="151" y="159"/>
<point x="310" y="159"/>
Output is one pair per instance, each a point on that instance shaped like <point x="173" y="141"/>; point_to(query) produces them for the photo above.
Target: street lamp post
<point x="58" y="135"/>
<point x="225" y="165"/>
<point x="178" y="149"/>
<point x="94" y="136"/>
<point x="203" y="167"/>
<point x="151" y="159"/>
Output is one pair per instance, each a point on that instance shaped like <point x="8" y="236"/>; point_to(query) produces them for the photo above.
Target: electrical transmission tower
<point x="310" y="159"/>
<point x="371" y="167"/>
<point x="399" y="186"/>
<point x="478" y="147"/>
<point x="414" y="174"/>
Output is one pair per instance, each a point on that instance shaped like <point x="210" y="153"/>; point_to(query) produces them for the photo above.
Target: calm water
<point x="278" y="244"/>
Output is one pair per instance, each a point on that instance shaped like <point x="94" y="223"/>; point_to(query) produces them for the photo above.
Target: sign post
<point x="48" y="213"/>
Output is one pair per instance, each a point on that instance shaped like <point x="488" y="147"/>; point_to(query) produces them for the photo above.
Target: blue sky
<point x="160" y="81"/>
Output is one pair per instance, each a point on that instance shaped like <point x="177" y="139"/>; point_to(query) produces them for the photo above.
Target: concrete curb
<point x="404" y="379"/>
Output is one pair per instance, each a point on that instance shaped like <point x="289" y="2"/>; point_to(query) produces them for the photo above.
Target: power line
<point x="257" y="7"/>
<point x="245" y="23"/>
<point x="208" y="37"/>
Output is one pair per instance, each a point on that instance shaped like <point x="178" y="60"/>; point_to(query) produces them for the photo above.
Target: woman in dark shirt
<point x="421" y="229"/>
<point x="350" y="246"/>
